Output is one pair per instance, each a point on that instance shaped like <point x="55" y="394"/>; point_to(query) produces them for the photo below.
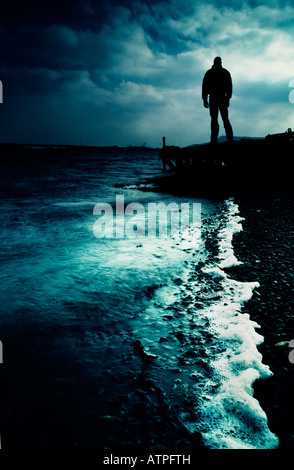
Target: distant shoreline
<point x="18" y="146"/>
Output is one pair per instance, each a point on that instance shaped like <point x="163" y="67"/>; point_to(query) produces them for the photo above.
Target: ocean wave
<point x="199" y="325"/>
<point x="228" y="415"/>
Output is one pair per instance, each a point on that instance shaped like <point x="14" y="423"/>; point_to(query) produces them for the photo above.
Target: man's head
<point x="217" y="62"/>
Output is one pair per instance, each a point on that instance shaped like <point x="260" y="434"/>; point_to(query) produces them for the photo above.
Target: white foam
<point x="228" y="415"/>
<point x="233" y="226"/>
<point x="233" y="417"/>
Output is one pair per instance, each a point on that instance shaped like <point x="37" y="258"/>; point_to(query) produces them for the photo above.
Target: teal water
<point x="78" y="313"/>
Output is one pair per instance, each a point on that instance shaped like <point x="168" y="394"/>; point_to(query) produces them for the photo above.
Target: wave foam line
<point x="229" y="417"/>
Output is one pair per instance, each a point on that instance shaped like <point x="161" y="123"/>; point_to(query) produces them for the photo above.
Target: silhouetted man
<point x="217" y="83"/>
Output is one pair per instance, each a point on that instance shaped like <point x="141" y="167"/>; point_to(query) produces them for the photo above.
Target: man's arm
<point x="229" y="85"/>
<point x="205" y="91"/>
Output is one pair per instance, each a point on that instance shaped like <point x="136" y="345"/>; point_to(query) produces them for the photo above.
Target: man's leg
<point x="213" y="109"/>
<point x="227" y="125"/>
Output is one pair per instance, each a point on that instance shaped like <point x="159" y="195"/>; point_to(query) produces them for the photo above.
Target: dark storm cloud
<point x="131" y="71"/>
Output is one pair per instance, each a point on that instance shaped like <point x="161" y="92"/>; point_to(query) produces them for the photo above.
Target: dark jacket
<point x="217" y="83"/>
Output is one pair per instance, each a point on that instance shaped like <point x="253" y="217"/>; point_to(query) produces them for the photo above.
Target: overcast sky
<point x="124" y="72"/>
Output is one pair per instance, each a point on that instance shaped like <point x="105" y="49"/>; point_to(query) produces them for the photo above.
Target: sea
<point x="115" y="334"/>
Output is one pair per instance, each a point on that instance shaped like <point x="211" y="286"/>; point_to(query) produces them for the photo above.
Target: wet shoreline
<point x="265" y="246"/>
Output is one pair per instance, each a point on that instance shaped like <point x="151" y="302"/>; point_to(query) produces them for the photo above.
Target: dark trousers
<point x="221" y="105"/>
